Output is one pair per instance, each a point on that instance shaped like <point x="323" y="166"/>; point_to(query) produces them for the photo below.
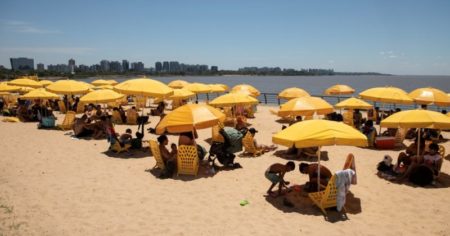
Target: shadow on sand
<point x="299" y="202"/>
<point x="284" y="155"/>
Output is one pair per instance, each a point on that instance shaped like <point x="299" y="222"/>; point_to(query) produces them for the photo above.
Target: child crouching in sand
<point x="275" y="174"/>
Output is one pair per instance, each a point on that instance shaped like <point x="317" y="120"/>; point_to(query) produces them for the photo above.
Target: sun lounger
<point x="187" y="160"/>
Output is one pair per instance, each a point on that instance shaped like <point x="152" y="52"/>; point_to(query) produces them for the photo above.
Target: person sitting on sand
<point x="265" y="148"/>
<point x="431" y="160"/>
<point x="275" y="174"/>
<point x="169" y="158"/>
<point x="369" y="131"/>
<point x="188" y="138"/>
<point x="312" y="171"/>
<point x="126" y="137"/>
<point x="240" y="123"/>
<point x="159" y="109"/>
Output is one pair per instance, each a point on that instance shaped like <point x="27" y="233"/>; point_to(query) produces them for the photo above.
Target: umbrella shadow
<point x="203" y="172"/>
<point x="447" y="157"/>
<point x="443" y="181"/>
<point x="131" y="154"/>
<point x="299" y="202"/>
<point x="283" y="154"/>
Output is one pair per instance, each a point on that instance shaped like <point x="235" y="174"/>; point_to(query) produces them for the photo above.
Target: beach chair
<point x="442" y="154"/>
<point x="215" y="135"/>
<point x="308" y="118"/>
<point x="116" y="118"/>
<point x="249" y="146"/>
<point x="62" y="107"/>
<point x="371" y="138"/>
<point x="68" y="121"/>
<point x="350" y="164"/>
<point x="80" y="108"/>
<point x="115" y="147"/>
<point x="154" y="147"/>
<point x="326" y="198"/>
<point x="348" y="118"/>
<point x="187" y="160"/>
<point x="131" y="117"/>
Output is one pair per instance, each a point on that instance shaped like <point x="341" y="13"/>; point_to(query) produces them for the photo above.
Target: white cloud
<point x="49" y="50"/>
<point x="391" y="54"/>
<point x="25" y="27"/>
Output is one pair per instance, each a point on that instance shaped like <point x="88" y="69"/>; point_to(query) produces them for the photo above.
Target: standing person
<point x="275" y="174"/>
<point x="312" y="171"/>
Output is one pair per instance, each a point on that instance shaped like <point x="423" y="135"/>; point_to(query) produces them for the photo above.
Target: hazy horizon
<point x="392" y="37"/>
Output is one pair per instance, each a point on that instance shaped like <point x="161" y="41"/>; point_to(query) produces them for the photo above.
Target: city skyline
<point x="401" y="37"/>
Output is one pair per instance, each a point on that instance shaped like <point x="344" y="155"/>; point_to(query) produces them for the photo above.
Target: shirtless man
<point x="275" y="174"/>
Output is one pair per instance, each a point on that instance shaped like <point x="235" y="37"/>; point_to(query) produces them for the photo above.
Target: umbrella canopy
<point x="181" y="94"/>
<point x="305" y="106"/>
<point x="232" y="99"/>
<point x="24" y="90"/>
<point x="101" y="96"/>
<point x="39" y="94"/>
<point x="112" y="81"/>
<point x="188" y="117"/>
<point x="339" y="89"/>
<point x="312" y="133"/>
<point x="106" y="86"/>
<point x="430" y="96"/>
<point x="100" y="82"/>
<point x="4" y="87"/>
<point x="198" y="88"/>
<point x="144" y="87"/>
<point x="293" y="92"/>
<point x="216" y="88"/>
<point x="25" y="83"/>
<point x="353" y="103"/>
<point x="417" y="119"/>
<point x="4" y="93"/>
<point x="45" y="83"/>
<point x="177" y="84"/>
<point x="246" y="89"/>
<point x="223" y="86"/>
<point x="386" y="95"/>
<point x="68" y="87"/>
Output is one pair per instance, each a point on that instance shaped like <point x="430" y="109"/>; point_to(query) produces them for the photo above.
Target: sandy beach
<point x="54" y="184"/>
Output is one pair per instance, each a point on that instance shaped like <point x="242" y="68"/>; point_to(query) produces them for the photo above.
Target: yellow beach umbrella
<point x="223" y="86"/>
<point x="312" y="133"/>
<point x="386" y="95"/>
<point x="112" y="82"/>
<point x="101" y="96"/>
<point x="39" y="94"/>
<point x="181" y="94"/>
<point x="4" y="87"/>
<point x="106" y="86"/>
<point x="25" y="83"/>
<point x="45" y="83"/>
<point x="198" y="88"/>
<point x="417" y="119"/>
<point x="305" y="106"/>
<point x="293" y="92"/>
<point x="232" y="99"/>
<point x="4" y="94"/>
<point x="353" y="103"/>
<point x="100" y="82"/>
<point x="430" y="96"/>
<point x="24" y="90"/>
<point x="246" y="89"/>
<point x="216" y="88"/>
<point x="177" y="84"/>
<point x="339" y="89"/>
<point x="144" y="87"/>
<point x="188" y="117"/>
<point x="68" y="87"/>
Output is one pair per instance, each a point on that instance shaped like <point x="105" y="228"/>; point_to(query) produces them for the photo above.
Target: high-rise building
<point x="158" y="66"/>
<point x="115" y="66"/>
<point x="165" y="67"/>
<point x="214" y="68"/>
<point x="72" y="65"/>
<point x="61" y="68"/>
<point x="125" y="65"/>
<point x="22" y="63"/>
<point x="104" y="65"/>
<point x="174" y="66"/>
<point x="137" y="66"/>
<point x="40" y="67"/>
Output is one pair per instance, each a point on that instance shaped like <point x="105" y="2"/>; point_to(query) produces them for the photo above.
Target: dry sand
<point x="53" y="184"/>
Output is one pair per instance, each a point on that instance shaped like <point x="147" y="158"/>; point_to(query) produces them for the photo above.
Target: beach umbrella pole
<point x="418" y="142"/>
<point x="318" y="170"/>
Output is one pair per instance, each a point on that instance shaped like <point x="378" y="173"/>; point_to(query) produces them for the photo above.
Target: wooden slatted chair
<point x="154" y="147"/>
<point x="62" y="106"/>
<point x="215" y="135"/>
<point x="116" y="118"/>
<point x="68" y="121"/>
<point x="400" y="137"/>
<point x="131" y="117"/>
<point x="187" y="160"/>
<point x="326" y="198"/>
<point x="348" y="118"/>
<point x="249" y="146"/>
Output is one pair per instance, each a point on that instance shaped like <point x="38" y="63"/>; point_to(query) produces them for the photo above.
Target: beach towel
<point x="343" y="181"/>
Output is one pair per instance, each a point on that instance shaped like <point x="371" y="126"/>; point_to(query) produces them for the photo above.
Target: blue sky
<point x="399" y="37"/>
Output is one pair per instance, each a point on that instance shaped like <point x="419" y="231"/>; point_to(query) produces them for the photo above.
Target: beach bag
<point x="136" y="143"/>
